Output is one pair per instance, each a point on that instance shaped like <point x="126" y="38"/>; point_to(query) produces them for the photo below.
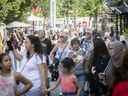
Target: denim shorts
<point x="35" y="92"/>
<point x="82" y="78"/>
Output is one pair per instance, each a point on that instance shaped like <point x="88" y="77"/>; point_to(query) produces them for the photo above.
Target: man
<point x="87" y="43"/>
<point x="87" y="47"/>
<point x="78" y="58"/>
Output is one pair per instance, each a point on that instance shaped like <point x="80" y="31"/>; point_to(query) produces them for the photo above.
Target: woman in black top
<point x="100" y="61"/>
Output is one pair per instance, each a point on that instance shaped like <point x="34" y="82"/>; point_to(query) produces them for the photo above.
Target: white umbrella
<point x="34" y="18"/>
<point x="16" y="24"/>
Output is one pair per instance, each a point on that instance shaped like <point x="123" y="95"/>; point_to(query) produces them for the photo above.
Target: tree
<point x="59" y="8"/>
<point x="67" y="9"/>
<point x="43" y="6"/>
<point x="11" y="10"/>
<point x="92" y="8"/>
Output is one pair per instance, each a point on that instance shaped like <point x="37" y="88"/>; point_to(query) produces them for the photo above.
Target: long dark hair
<point x="68" y="64"/>
<point x="75" y="41"/>
<point x="101" y="55"/>
<point x="121" y="73"/>
<point x="100" y="47"/>
<point x="1" y="58"/>
<point x="36" y="43"/>
<point x="49" y="45"/>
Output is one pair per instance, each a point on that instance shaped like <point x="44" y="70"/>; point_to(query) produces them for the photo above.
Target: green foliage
<point x="79" y="7"/>
<point x="11" y="10"/>
<point x="92" y="7"/>
<point x="58" y="8"/>
<point x="44" y="5"/>
<point x="67" y="7"/>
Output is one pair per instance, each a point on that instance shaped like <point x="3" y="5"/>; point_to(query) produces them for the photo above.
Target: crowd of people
<point x="64" y="63"/>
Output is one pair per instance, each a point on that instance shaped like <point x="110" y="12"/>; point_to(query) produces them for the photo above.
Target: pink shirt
<point x="68" y="83"/>
<point x="7" y="85"/>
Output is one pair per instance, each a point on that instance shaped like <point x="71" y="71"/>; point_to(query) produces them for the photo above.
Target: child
<point x="8" y="78"/>
<point x="67" y="79"/>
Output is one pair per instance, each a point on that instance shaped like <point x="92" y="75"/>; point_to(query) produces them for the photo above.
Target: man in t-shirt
<point x="87" y="43"/>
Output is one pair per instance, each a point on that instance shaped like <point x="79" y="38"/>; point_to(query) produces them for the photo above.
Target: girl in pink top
<point x="67" y="79"/>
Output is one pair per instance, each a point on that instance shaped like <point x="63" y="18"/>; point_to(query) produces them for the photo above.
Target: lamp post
<point x="53" y="14"/>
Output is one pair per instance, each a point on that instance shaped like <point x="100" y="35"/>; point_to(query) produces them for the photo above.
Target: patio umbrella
<point x="16" y="24"/>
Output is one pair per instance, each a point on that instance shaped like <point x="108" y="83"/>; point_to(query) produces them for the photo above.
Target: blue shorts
<point x="35" y="92"/>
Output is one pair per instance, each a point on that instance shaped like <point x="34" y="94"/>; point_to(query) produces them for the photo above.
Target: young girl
<point x="8" y="78"/>
<point x="67" y="79"/>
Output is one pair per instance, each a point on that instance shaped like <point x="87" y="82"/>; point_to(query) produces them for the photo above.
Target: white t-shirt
<point x="29" y="68"/>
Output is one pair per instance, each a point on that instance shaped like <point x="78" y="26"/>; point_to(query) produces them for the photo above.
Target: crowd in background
<point x="67" y="63"/>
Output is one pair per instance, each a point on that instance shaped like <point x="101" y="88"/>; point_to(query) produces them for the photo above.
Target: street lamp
<point x="53" y="14"/>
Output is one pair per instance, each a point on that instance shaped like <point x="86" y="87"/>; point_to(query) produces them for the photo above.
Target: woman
<point x="33" y="65"/>
<point x="100" y="61"/>
<point x="59" y="52"/>
<point x="49" y="45"/>
<point x="117" y="51"/>
<point x="121" y="78"/>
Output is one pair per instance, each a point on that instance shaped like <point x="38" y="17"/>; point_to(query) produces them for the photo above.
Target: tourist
<point x="67" y="80"/>
<point x="87" y="43"/>
<point x="59" y="52"/>
<point x="33" y="65"/>
<point x="9" y="78"/>
<point x="100" y="61"/>
<point x="77" y="55"/>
